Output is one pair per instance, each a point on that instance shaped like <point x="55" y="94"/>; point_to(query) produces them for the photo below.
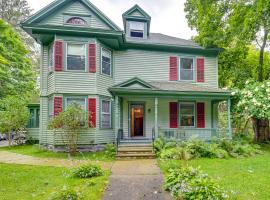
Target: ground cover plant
<point x="87" y="171"/>
<point x="23" y="182"/>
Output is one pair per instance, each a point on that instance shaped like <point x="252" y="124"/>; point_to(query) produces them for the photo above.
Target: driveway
<point x="136" y="180"/>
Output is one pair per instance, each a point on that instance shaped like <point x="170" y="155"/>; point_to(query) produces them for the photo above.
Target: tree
<point x="14" y="115"/>
<point x="69" y="124"/>
<point x="14" y="12"/>
<point x="234" y="26"/>
<point x="16" y="73"/>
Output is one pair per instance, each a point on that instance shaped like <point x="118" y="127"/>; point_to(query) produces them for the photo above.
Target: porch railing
<point x="187" y="133"/>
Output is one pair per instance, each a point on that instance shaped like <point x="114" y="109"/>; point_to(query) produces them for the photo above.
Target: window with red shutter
<point x="92" y="58"/>
<point x="92" y="112"/>
<point x="173" y="114"/>
<point x="58" y="55"/>
<point x="200" y="69"/>
<point x="200" y="115"/>
<point x="58" y="101"/>
<point x="173" y="68"/>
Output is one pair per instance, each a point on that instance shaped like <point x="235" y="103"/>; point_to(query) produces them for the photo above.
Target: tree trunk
<point x="261" y="62"/>
<point x="261" y="130"/>
<point x="9" y="139"/>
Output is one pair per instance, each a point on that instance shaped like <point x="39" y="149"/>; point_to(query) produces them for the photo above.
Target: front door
<point x="137" y="120"/>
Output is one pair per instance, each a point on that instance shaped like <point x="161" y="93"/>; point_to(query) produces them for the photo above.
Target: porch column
<point x="229" y="116"/>
<point x="156" y="116"/>
<point x="116" y="116"/>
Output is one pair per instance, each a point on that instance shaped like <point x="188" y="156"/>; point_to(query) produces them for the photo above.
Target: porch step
<point x="135" y="151"/>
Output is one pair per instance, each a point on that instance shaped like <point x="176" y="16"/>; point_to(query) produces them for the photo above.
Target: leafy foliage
<point x="67" y="193"/>
<point x="110" y="150"/>
<point x="87" y="171"/>
<point x="17" y="76"/>
<point x="69" y="123"/>
<point x="191" y="183"/>
<point x="14" y="115"/>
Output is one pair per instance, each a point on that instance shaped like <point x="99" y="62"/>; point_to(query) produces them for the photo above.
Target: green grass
<point x="247" y="177"/>
<point x="24" y="182"/>
<point x="34" y="150"/>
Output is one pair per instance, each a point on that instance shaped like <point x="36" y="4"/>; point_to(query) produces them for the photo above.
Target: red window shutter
<point x="58" y="55"/>
<point x="92" y="58"/>
<point x="173" y="114"/>
<point x="200" y="115"/>
<point x="57" y="105"/>
<point x="200" y="69"/>
<point x="92" y="112"/>
<point x="173" y="69"/>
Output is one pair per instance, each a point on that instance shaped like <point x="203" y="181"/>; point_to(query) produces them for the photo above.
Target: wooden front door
<point x="137" y="115"/>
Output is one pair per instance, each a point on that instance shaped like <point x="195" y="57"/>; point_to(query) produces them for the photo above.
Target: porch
<point x="144" y="112"/>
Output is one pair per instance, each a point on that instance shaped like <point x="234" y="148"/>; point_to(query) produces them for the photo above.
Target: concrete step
<point x="135" y="155"/>
<point x="133" y="149"/>
<point x="136" y="145"/>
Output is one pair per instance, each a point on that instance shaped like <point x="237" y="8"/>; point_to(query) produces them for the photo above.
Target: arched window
<point x="76" y="21"/>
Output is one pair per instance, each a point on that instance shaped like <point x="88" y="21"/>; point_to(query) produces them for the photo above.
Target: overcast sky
<point x="168" y="16"/>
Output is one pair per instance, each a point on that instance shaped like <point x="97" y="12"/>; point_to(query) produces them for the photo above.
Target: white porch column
<point x="229" y="116"/>
<point x="156" y="116"/>
<point x="116" y="116"/>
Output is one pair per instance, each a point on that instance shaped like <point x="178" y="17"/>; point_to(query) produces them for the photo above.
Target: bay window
<point x="106" y="114"/>
<point x="187" y="114"/>
<point x="76" y="57"/>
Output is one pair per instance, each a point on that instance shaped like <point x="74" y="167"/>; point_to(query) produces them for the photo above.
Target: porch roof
<point x="137" y="86"/>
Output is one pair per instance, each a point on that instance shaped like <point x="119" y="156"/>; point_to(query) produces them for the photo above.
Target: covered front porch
<point x="145" y="112"/>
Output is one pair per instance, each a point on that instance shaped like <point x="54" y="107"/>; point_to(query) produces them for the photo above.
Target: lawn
<point x="34" y="150"/>
<point x="247" y="177"/>
<point x="24" y="182"/>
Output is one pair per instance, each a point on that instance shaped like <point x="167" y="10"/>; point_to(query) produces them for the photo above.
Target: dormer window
<point x="136" y="29"/>
<point x="76" y="21"/>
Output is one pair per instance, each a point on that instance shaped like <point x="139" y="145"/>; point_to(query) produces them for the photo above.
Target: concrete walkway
<point x="135" y="180"/>
<point x="14" y="158"/>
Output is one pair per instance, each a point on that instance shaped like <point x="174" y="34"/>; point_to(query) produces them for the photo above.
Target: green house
<point x="138" y="85"/>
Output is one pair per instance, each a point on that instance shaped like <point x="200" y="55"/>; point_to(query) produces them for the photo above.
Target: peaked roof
<point x="43" y="13"/>
<point x="139" y="9"/>
<point x="133" y="81"/>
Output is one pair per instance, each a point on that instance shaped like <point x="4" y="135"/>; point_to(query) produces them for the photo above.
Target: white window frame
<point x="105" y="49"/>
<point x="180" y="115"/>
<point x="104" y="113"/>
<point x="134" y="30"/>
<point x="75" y="97"/>
<point x="193" y="69"/>
<point x="66" y="55"/>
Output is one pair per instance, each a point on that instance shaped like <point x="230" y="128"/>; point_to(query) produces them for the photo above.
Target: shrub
<point x="87" y="171"/>
<point x="110" y="150"/>
<point x="176" y="153"/>
<point x="191" y="183"/>
<point x="67" y="193"/>
<point x="159" y="145"/>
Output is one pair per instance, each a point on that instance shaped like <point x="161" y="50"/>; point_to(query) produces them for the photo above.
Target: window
<point x="34" y="118"/>
<point x="106" y="62"/>
<point x="105" y="114"/>
<point x="76" y="21"/>
<point x="78" y="100"/>
<point x="50" y="108"/>
<point x="186" y="69"/>
<point x="76" y="58"/>
<point x="51" y="57"/>
<point x="187" y="114"/>
<point x="136" y="29"/>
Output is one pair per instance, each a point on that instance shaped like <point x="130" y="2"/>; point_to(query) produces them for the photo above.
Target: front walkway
<point x="14" y="158"/>
<point x="135" y="180"/>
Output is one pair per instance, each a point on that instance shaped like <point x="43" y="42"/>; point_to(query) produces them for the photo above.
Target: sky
<point x="168" y="16"/>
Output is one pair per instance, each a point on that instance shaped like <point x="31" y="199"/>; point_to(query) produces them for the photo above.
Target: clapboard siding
<point x="76" y="8"/>
<point x="136" y="14"/>
<point x="75" y="82"/>
<point x="33" y="133"/>
<point x="154" y="66"/>
<point x="51" y="83"/>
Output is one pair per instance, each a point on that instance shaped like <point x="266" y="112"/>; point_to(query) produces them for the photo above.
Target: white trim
<point x="194" y="112"/>
<point x="66" y="55"/>
<point x="101" y="72"/>
<point x="193" y="67"/>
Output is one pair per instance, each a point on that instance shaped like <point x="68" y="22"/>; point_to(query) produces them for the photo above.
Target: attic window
<point x="76" y="21"/>
<point x="136" y="29"/>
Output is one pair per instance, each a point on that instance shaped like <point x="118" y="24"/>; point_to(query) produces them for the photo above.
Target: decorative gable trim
<point x="135" y="81"/>
<point x="138" y="9"/>
<point x="51" y="8"/>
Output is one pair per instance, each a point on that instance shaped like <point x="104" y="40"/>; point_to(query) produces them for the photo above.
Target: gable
<point x="135" y="83"/>
<point x="74" y="9"/>
<point x="136" y="13"/>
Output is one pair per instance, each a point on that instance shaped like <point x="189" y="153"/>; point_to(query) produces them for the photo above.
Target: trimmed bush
<point x="190" y="183"/>
<point x="87" y="171"/>
<point x="67" y="193"/>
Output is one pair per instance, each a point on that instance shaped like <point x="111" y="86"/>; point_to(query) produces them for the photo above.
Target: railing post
<point x="156" y="116"/>
<point x="116" y="120"/>
<point x="229" y="116"/>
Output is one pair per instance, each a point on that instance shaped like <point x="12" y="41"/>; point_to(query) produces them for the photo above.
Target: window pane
<point x="186" y="69"/>
<point x="186" y="74"/>
<point x="187" y="109"/>
<point x="136" y="25"/>
<point x="106" y="106"/>
<point x="51" y="56"/>
<point x="79" y="101"/>
<point x="50" y="105"/>
<point x="76" y="57"/>
<point x="187" y="121"/>
<point x="32" y="119"/>
<point x="136" y="34"/>
<point x="187" y="114"/>
<point x="37" y="118"/>
<point x="106" y="121"/>
<point x="105" y="114"/>
<point x="106" y="62"/>
<point x="186" y="63"/>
